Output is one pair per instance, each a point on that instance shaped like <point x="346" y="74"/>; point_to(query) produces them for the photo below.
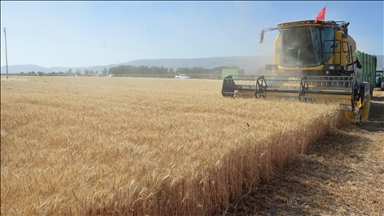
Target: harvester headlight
<point x="327" y="72"/>
<point x="331" y="67"/>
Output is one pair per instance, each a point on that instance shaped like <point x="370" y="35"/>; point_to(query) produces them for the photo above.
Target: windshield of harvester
<point x="306" y="46"/>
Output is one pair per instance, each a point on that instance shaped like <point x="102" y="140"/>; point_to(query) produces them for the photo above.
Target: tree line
<point x="130" y="69"/>
<point x="140" y="70"/>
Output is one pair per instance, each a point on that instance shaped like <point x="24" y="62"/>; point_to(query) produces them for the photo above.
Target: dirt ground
<point x="341" y="174"/>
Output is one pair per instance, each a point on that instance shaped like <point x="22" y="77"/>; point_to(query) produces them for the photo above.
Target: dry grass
<point x="87" y="146"/>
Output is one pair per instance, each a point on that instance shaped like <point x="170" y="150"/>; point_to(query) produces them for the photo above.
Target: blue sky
<point x="91" y="33"/>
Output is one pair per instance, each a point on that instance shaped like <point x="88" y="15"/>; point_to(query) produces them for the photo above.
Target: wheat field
<point x="131" y="146"/>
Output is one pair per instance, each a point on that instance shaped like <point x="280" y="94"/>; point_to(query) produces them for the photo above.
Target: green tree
<point x="104" y="71"/>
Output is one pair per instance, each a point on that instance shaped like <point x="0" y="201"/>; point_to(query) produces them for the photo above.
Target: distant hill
<point x="30" y="67"/>
<point x="249" y="63"/>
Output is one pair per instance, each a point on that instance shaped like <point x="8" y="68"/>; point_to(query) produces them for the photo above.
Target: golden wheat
<point x="88" y="146"/>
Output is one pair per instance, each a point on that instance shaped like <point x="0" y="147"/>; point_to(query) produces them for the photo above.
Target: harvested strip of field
<point x="76" y="145"/>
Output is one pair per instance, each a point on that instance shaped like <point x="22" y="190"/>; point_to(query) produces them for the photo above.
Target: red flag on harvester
<point x="321" y="15"/>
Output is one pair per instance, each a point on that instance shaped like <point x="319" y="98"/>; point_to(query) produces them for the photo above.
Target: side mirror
<point x="261" y="37"/>
<point x="345" y="33"/>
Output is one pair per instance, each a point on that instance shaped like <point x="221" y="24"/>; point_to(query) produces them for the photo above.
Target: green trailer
<point x="368" y="71"/>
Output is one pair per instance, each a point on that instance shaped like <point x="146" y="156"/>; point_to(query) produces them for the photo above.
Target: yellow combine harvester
<point x="312" y="62"/>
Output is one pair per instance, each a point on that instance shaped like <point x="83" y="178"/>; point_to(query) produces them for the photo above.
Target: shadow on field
<point x="376" y="111"/>
<point x="373" y="126"/>
<point x="374" y="98"/>
<point x="303" y="187"/>
<point x="376" y="116"/>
